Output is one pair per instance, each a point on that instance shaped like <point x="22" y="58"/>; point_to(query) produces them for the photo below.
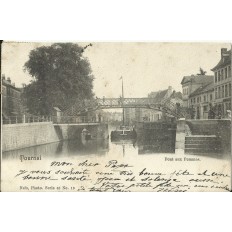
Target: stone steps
<point x="202" y="144"/>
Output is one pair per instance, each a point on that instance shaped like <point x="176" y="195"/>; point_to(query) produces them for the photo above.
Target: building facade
<point x="222" y="84"/>
<point x="191" y="83"/>
<point x="201" y="101"/>
<point x="11" y="99"/>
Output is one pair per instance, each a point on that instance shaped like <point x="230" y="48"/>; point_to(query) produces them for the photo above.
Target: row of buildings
<point x="133" y="115"/>
<point x="209" y="96"/>
<point x="204" y="96"/>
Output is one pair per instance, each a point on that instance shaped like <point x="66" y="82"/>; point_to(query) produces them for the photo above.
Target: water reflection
<point x="149" y="143"/>
<point x="128" y="146"/>
<point x="63" y="148"/>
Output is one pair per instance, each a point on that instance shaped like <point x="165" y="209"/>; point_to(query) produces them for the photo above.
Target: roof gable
<point x="203" y="89"/>
<point x="225" y="60"/>
<point x="197" y="79"/>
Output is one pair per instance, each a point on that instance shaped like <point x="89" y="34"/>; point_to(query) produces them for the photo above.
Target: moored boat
<point x="123" y="133"/>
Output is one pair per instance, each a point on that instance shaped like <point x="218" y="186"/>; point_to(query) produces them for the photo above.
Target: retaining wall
<point x="17" y="136"/>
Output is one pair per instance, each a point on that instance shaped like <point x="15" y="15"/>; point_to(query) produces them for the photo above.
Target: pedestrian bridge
<point x="166" y="105"/>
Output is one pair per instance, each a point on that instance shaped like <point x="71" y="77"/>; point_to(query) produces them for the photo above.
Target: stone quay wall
<point x="17" y="136"/>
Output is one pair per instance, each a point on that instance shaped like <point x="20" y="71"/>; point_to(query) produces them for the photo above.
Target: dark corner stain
<point x="1" y="101"/>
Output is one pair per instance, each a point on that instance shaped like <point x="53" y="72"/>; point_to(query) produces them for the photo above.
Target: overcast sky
<point x="145" y="67"/>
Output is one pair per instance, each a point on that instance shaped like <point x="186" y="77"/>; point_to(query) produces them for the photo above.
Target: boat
<point x="124" y="132"/>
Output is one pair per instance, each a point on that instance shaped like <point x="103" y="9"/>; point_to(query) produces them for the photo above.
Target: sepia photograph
<point x="116" y="116"/>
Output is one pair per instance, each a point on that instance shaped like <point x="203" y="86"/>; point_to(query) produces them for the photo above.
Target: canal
<point x="152" y="139"/>
<point x="155" y="142"/>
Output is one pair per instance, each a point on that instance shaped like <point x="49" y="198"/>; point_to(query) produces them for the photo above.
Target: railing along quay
<point x="25" y="119"/>
<point x="54" y="119"/>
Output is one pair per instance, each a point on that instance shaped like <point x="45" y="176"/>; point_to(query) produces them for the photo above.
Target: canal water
<point x="159" y="142"/>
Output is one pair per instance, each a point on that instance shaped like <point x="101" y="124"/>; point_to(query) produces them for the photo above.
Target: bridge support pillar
<point x="180" y="137"/>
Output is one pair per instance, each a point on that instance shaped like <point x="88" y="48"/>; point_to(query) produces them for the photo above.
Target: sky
<point x="145" y="67"/>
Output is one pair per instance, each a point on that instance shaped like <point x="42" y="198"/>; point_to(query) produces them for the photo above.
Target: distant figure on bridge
<point x="120" y="100"/>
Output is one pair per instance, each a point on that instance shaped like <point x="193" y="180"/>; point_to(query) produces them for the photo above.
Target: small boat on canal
<point x="123" y="133"/>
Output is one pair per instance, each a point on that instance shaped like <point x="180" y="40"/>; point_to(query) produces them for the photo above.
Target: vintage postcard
<point x="116" y="116"/>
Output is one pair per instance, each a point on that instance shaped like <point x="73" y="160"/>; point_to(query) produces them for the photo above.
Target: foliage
<point x="62" y="76"/>
<point x="202" y="72"/>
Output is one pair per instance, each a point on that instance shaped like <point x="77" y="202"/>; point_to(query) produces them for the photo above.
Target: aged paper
<point x="118" y="117"/>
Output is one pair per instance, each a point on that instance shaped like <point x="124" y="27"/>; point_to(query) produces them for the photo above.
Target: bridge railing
<point x="124" y="101"/>
<point x="25" y="119"/>
<point x="75" y="119"/>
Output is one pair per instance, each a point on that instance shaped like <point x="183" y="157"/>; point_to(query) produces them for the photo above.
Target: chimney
<point x="169" y="91"/>
<point x="8" y="79"/>
<point x="3" y="76"/>
<point x="23" y="85"/>
<point x="223" y="50"/>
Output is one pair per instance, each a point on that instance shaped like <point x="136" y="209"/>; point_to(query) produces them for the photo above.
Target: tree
<point x="62" y="76"/>
<point x="202" y="72"/>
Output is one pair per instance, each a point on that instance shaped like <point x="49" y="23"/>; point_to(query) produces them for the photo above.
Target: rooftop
<point x="203" y="89"/>
<point x="8" y="83"/>
<point x="176" y="95"/>
<point x="225" y="60"/>
<point x="158" y="95"/>
<point x="198" y="79"/>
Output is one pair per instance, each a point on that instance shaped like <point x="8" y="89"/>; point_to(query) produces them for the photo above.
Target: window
<point x="215" y="76"/>
<point x="211" y="97"/>
<point x="205" y="108"/>
<point x="230" y="90"/>
<point x="197" y="99"/>
<point x="194" y="100"/>
<point x="216" y="93"/>
<point x="222" y="74"/>
<point x="219" y="76"/>
<point x="204" y="98"/>
<point x="219" y="92"/>
<point x="229" y="71"/>
<point x="223" y="91"/>
<point x="226" y="91"/>
<point x="226" y="73"/>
